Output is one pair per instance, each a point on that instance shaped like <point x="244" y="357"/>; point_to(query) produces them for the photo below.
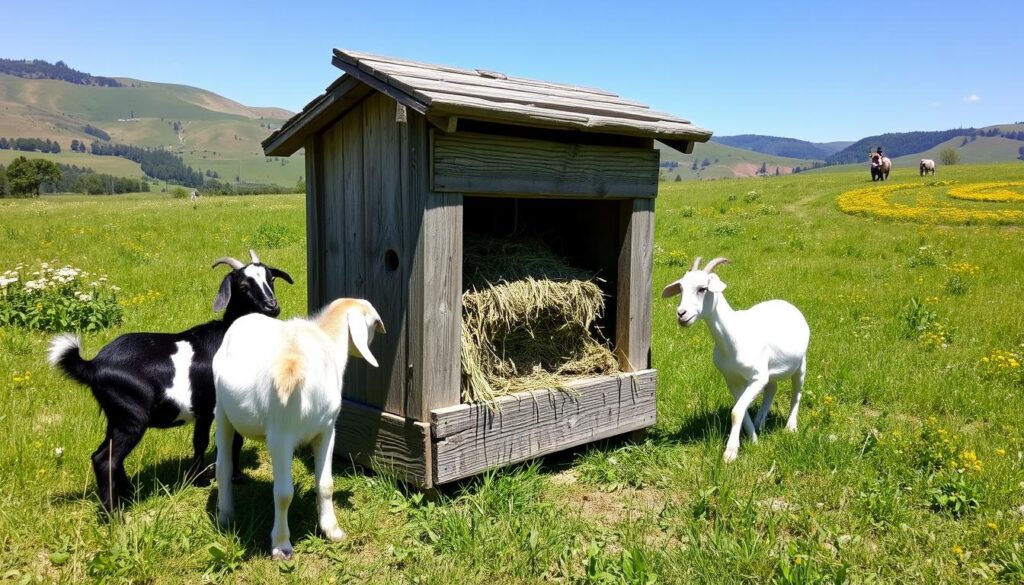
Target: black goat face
<point x="251" y="289"/>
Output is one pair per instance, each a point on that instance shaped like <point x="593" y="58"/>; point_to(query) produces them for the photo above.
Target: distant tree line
<point x="156" y="163"/>
<point x="897" y="144"/>
<point x="96" y="132"/>
<point x="30" y="144"/>
<point x="39" y="69"/>
<point x="30" y="177"/>
<point x="214" y="187"/>
<point x="87" y="181"/>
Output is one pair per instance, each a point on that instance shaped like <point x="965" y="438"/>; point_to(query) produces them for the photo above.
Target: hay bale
<point x="528" y="320"/>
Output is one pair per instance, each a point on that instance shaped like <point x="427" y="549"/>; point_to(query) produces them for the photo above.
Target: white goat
<point x="753" y="348"/>
<point x="280" y="381"/>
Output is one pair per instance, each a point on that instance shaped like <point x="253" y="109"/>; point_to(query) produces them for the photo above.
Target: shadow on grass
<point x="167" y="476"/>
<point x="254" y="509"/>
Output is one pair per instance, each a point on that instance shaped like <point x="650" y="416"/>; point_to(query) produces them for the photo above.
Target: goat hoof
<point x="335" y="534"/>
<point x="201" y="480"/>
<point x="730" y="455"/>
<point x="281" y="553"/>
<point x="791" y="428"/>
<point x="238" y="478"/>
<point x="224" y="519"/>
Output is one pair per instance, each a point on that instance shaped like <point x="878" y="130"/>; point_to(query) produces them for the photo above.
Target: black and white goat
<point x="162" y="380"/>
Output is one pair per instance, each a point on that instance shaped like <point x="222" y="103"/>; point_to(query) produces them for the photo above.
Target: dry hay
<point x="528" y="321"/>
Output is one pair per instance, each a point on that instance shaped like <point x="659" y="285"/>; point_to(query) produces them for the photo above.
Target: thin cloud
<point x="936" y="104"/>
<point x="972" y="98"/>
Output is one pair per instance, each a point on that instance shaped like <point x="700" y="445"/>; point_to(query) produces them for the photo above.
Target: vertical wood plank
<point x="332" y="223"/>
<point x="414" y="189"/>
<point x="314" y="195"/>
<point x="436" y="288"/>
<point x="385" y="285"/>
<point x="442" y="290"/>
<point x="354" y="231"/>
<point x="633" y="302"/>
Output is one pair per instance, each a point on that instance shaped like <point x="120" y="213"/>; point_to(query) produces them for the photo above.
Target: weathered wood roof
<point x="445" y="93"/>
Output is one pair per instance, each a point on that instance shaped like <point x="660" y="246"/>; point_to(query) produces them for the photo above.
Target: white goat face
<point x="694" y="287"/>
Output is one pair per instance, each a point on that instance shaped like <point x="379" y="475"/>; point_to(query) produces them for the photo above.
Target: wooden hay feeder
<point x="403" y="160"/>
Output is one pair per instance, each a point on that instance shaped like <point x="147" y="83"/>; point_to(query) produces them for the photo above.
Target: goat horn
<point x="255" y="258"/>
<point x="715" y="263"/>
<point x="234" y="264"/>
<point x="696" y="264"/>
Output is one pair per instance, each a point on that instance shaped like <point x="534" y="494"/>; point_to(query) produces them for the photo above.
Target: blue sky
<point x="818" y="71"/>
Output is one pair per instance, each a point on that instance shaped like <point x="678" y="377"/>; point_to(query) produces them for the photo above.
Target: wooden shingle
<point x="444" y="94"/>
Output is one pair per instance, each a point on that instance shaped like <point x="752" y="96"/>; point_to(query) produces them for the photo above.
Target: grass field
<point x="112" y="165"/>
<point x="908" y="465"/>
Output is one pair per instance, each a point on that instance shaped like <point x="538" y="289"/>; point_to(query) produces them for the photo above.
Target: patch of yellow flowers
<point x="1002" y="192"/>
<point x="1000" y="363"/>
<point x="141" y="298"/>
<point x="876" y="202"/>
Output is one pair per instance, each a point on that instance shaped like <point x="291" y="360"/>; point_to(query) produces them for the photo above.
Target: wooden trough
<point x="403" y="160"/>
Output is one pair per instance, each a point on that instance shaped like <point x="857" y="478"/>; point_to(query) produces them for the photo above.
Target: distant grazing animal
<point x="280" y="381"/>
<point x="927" y="166"/>
<point x="754" y="348"/>
<point x="161" y="380"/>
<point x="880" y="166"/>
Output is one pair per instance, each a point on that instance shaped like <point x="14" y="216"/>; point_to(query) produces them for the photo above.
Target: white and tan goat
<point x="281" y="382"/>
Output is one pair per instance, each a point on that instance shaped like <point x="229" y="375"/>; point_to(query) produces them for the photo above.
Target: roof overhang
<point x="445" y="94"/>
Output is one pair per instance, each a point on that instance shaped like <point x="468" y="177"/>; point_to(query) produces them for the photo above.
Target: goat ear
<point x="278" y="273"/>
<point x="223" y="295"/>
<point x="672" y="290"/>
<point x="359" y="333"/>
<point x="715" y="284"/>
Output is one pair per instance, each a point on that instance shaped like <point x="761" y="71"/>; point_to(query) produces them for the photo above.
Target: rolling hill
<point x="723" y="161"/>
<point x="209" y="131"/>
<point x="780" y="146"/>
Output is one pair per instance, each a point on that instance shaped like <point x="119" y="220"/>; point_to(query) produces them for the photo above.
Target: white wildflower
<point x="85" y="298"/>
<point x="58" y="452"/>
<point x="94" y="284"/>
<point x="4" y="281"/>
<point x="115" y="288"/>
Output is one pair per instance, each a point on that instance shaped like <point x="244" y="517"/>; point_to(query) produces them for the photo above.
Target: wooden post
<point x="633" y="297"/>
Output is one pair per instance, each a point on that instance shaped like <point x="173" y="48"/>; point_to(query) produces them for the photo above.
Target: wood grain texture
<point x="387" y="284"/>
<point x="435" y="301"/>
<point x="470" y="93"/>
<point x="377" y="83"/>
<point x="383" y="441"/>
<point x="352" y="262"/>
<point x="340" y="96"/>
<point x="481" y="163"/>
<point x="442" y="303"/>
<point x="331" y="236"/>
<point x="634" y="296"/>
<point x="314" y="212"/>
<point x="412" y="75"/>
<point x="469" y="439"/>
<point x="381" y="63"/>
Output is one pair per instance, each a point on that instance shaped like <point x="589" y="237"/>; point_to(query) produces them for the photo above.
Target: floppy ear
<point x="358" y="332"/>
<point x="715" y="284"/>
<point x="277" y="273"/>
<point x="223" y="295"/>
<point x="672" y="290"/>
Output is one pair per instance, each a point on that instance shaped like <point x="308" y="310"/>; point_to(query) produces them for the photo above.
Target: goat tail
<point x="289" y="372"/>
<point x="64" y="353"/>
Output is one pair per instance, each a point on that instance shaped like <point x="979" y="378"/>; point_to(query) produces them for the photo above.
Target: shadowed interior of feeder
<point x="539" y="276"/>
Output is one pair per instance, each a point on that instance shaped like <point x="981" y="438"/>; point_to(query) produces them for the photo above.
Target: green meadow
<point x="908" y="465"/>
